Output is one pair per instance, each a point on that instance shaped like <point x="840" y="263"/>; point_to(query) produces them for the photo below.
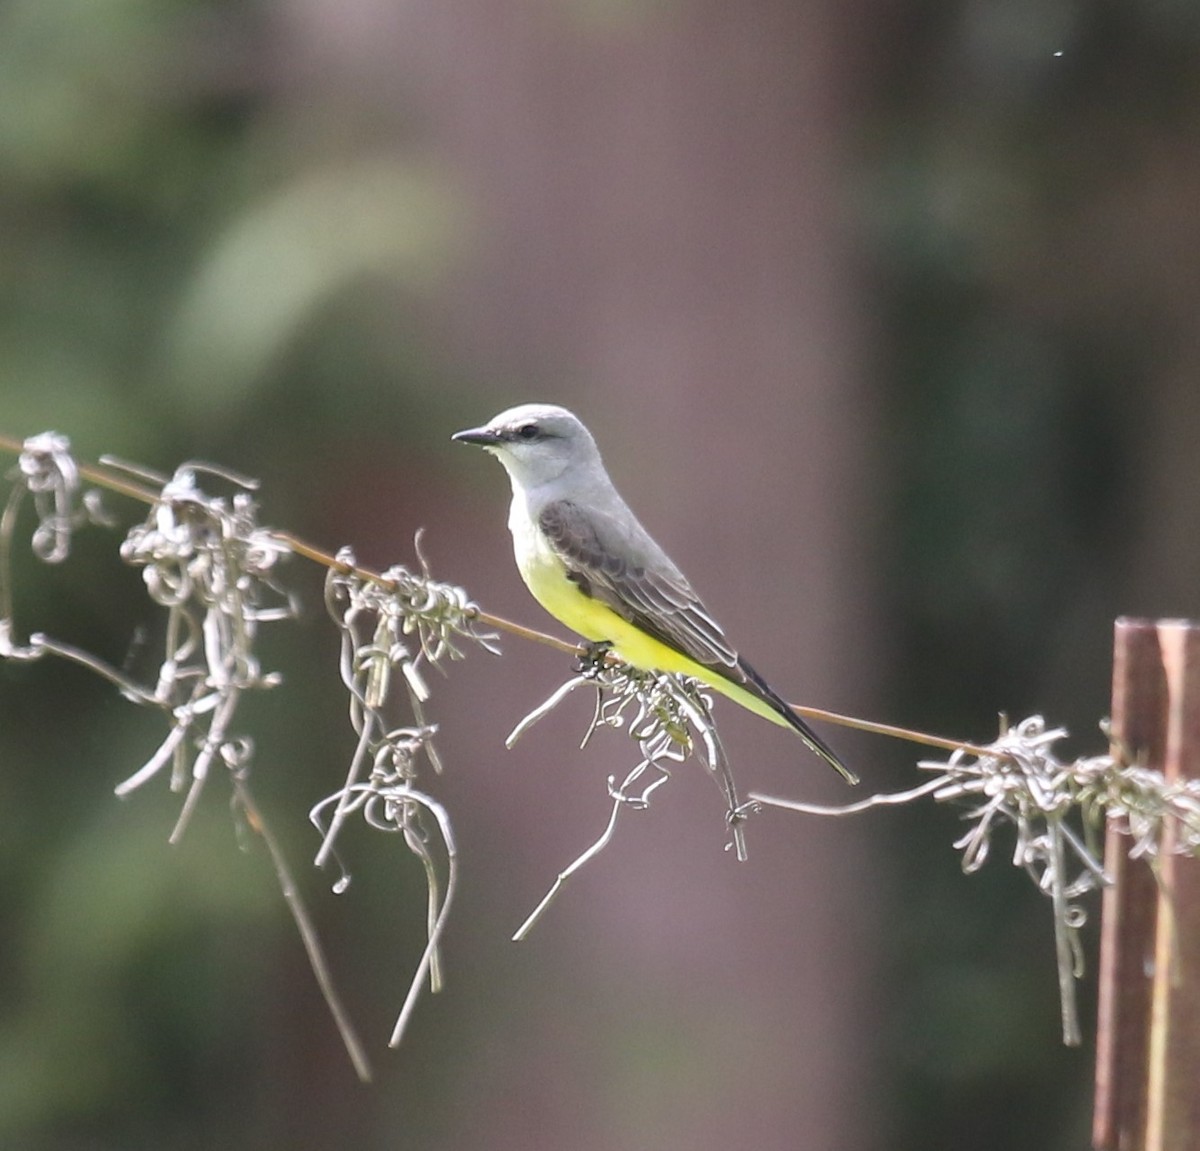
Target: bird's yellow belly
<point x="546" y="578"/>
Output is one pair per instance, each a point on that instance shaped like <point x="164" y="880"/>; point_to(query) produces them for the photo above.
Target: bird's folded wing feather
<point x="627" y="571"/>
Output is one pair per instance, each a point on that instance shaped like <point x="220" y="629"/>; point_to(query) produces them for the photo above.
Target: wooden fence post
<point x="1148" y="1042"/>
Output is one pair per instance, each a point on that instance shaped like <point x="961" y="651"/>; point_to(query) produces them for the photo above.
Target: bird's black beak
<point x="481" y="436"/>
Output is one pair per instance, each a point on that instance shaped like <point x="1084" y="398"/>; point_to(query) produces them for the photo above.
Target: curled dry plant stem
<point x="560" y="880"/>
<point x="669" y="718"/>
<point x="1018" y="781"/>
<point x="389" y="627"/>
<point x="428" y="965"/>
<point x="207" y="563"/>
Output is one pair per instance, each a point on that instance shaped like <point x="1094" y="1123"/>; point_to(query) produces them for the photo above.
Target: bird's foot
<point x="593" y="656"/>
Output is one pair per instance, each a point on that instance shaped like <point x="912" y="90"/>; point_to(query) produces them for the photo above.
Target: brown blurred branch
<point x="1148" y="1044"/>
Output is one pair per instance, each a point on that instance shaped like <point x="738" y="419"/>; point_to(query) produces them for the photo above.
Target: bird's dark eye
<point x="528" y="432"/>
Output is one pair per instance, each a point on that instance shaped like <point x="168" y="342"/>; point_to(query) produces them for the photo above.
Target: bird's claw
<point x="593" y="656"/>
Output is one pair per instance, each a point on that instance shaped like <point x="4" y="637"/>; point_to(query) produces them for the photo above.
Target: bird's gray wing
<point x="613" y="560"/>
<point x="616" y="562"/>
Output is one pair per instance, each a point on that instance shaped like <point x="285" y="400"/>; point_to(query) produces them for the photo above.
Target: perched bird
<point x="590" y="563"/>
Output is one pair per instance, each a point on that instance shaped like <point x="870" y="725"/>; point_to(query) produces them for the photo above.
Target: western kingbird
<point x="590" y="563"/>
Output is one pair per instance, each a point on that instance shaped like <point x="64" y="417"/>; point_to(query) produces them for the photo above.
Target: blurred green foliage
<point x="172" y="226"/>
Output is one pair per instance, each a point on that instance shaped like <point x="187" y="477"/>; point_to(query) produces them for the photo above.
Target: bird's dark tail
<point x="756" y="685"/>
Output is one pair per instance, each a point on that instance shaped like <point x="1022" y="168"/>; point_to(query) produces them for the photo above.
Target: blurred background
<point x="885" y="315"/>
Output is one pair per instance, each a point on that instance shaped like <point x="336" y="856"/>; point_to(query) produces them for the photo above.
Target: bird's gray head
<point x="537" y="444"/>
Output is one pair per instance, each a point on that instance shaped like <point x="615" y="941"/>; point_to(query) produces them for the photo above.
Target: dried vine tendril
<point x="668" y="716"/>
<point x="396" y="622"/>
<point x="1056" y="810"/>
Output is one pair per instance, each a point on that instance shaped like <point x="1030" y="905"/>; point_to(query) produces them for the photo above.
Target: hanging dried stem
<point x="389" y="625"/>
<point x="211" y="567"/>
<point x="1056" y="810"/>
<point x="669" y="718"/>
<point x="46" y="474"/>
